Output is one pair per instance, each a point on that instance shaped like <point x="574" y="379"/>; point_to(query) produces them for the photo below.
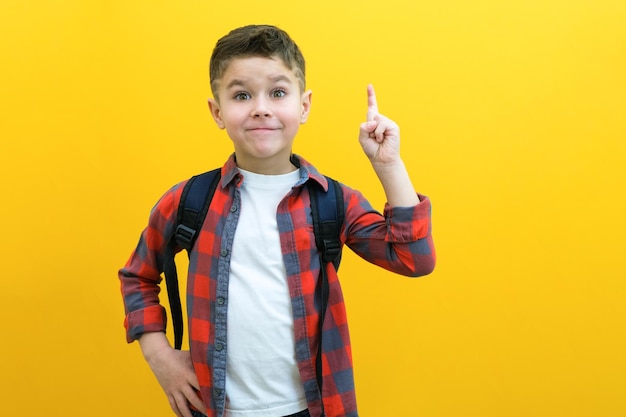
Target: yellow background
<point x="513" y="118"/>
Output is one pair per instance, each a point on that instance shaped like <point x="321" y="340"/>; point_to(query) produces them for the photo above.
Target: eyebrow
<point x="241" y="83"/>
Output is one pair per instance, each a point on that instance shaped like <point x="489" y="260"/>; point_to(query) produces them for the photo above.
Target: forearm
<point x="397" y="184"/>
<point x="151" y="343"/>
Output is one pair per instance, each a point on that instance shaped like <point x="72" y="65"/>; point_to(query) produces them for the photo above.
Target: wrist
<point x="152" y="344"/>
<point x="389" y="169"/>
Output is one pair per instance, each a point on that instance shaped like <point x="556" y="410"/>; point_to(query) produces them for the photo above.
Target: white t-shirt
<point x="262" y="377"/>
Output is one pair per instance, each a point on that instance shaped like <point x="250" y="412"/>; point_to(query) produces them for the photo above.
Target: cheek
<point x="295" y="113"/>
<point x="233" y="119"/>
<point x="232" y="130"/>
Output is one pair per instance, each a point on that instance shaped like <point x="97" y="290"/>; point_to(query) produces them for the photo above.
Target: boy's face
<point x="261" y="107"/>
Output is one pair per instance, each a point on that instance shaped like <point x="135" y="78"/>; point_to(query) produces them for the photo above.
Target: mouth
<point x="262" y="129"/>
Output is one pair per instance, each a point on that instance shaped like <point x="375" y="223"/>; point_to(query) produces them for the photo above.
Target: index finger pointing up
<point x="372" y="106"/>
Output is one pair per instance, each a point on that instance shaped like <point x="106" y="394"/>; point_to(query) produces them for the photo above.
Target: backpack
<point x="327" y="211"/>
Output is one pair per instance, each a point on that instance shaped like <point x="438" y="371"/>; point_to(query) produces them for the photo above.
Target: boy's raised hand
<point x="380" y="140"/>
<point x="379" y="136"/>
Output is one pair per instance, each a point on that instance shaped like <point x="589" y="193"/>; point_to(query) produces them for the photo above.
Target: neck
<point x="270" y="166"/>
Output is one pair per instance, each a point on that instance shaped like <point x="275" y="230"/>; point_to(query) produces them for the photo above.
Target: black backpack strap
<point x="192" y="209"/>
<point x="327" y="211"/>
<point x="194" y="205"/>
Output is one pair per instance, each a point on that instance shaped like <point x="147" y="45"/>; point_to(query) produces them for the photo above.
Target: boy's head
<point x="255" y="41"/>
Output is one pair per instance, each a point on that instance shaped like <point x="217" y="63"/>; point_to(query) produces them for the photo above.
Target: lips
<point x="262" y="128"/>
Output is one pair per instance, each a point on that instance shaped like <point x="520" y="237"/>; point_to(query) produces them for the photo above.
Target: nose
<point x="261" y="108"/>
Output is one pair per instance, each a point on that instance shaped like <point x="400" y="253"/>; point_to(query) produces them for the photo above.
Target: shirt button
<point x="233" y="208"/>
<point x="219" y="347"/>
<point x="218" y="392"/>
<point x="221" y="300"/>
<point x="224" y="252"/>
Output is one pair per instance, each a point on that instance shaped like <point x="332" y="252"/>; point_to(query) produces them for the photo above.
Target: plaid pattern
<point x="399" y="240"/>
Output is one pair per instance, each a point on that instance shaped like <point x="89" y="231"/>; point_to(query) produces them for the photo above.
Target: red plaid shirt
<point x="400" y="241"/>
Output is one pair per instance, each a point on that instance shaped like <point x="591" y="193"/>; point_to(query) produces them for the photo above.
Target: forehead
<point x="256" y="69"/>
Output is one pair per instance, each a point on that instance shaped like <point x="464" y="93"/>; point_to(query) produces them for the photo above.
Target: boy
<point x="252" y="312"/>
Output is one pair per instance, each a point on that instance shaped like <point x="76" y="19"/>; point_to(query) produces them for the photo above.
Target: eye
<point x="241" y="96"/>
<point x="278" y="93"/>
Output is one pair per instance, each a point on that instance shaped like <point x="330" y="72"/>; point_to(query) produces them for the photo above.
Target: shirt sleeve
<point x="141" y="276"/>
<point x="399" y="240"/>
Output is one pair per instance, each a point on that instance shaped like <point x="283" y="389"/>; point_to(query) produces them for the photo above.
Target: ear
<point x="306" y="106"/>
<point x="214" y="107"/>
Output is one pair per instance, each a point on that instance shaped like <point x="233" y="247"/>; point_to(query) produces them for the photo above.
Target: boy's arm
<point x="380" y="139"/>
<point x="401" y="240"/>
<point x="145" y="317"/>
<point x="141" y="276"/>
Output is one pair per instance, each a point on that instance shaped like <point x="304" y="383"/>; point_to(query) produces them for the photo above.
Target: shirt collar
<point x="307" y="172"/>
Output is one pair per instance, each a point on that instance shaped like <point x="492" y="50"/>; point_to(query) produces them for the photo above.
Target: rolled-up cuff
<point x="149" y="319"/>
